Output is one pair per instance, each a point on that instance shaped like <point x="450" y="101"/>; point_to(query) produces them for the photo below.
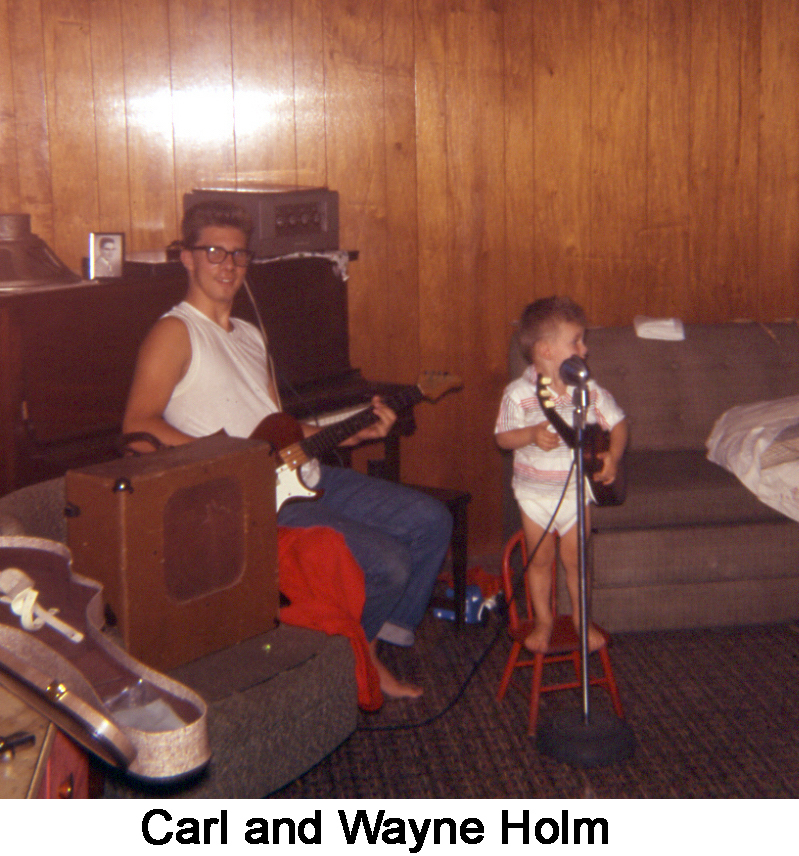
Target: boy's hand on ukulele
<point x="607" y="475"/>
<point x="544" y="437"/>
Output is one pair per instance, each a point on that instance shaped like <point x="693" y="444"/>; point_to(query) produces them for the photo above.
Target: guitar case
<point x="56" y="657"/>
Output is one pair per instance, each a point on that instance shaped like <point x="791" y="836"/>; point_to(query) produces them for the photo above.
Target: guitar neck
<point x="328" y="438"/>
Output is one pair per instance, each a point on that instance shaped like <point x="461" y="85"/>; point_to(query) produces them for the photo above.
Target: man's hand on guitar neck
<point x="386" y="418"/>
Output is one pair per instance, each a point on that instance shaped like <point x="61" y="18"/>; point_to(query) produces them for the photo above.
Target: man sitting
<point x="200" y="371"/>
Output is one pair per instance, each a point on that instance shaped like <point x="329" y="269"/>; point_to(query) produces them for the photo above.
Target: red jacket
<point x="324" y="583"/>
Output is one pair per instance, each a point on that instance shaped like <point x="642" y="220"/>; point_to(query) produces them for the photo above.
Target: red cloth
<point x="319" y="575"/>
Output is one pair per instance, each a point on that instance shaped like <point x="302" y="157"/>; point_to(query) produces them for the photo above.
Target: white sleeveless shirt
<point x="225" y="386"/>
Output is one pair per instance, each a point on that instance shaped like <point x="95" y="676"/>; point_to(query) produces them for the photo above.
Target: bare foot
<point x="389" y="684"/>
<point x="595" y="639"/>
<point x="538" y="639"/>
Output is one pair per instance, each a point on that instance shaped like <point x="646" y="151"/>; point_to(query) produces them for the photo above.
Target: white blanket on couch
<point x="759" y="443"/>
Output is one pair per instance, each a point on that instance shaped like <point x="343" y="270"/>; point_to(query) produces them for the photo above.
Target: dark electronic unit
<point x="286" y="220"/>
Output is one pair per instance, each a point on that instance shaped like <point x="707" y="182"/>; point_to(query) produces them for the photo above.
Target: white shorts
<point x="540" y="508"/>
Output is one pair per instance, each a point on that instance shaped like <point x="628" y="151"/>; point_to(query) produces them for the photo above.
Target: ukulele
<point x="596" y="441"/>
<point x="284" y="433"/>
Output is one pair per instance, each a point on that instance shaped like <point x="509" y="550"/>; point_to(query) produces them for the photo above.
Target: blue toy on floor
<point x="476" y="609"/>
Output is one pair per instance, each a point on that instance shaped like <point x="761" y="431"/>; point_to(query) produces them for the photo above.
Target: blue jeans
<point x="399" y="537"/>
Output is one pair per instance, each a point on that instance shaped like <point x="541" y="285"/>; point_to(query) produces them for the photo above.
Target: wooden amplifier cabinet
<point x="184" y="542"/>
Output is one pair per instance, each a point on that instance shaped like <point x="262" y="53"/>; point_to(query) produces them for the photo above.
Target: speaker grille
<point x="203" y="538"/>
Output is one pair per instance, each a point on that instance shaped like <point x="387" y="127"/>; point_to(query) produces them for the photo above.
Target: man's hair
<point x="214" y="213"/>
<point x="541" y="318"/>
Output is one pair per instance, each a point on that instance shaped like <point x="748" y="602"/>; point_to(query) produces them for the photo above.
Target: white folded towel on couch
<point x="670" y="329"/>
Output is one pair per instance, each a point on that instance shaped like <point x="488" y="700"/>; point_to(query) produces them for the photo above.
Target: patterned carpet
<point x="714" y="714"/>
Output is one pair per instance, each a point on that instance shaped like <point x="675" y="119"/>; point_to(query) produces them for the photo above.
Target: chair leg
<point x="506" y="677"/>
<point x="576" y="660"/>
<point x="535" y="692"/>
<point x="611" y="682"/>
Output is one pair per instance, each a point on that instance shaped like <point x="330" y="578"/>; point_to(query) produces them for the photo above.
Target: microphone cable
<point x="271" y="373"/>
<point x="274" y="374"/>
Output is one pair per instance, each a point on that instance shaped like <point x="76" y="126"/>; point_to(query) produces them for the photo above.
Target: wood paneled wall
<point x="641" y="155"/>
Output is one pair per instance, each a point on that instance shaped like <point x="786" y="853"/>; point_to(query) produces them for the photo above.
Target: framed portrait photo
<point x="106" y="254"/>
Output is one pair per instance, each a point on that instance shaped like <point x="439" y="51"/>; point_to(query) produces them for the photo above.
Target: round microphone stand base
<point x="603" y="739"/>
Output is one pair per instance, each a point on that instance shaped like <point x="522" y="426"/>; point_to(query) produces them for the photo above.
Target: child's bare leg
<point x="539" y="579"/>
<point x="570" y="557"/>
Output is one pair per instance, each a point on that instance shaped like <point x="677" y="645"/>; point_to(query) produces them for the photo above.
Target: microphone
<point x="574" y="371"/>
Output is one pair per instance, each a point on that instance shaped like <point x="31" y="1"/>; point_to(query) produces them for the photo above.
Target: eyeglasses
<point x="216" y="255"/>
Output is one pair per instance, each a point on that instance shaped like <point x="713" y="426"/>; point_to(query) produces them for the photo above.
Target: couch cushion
<point x="10" y="525"/>
<point x="680" y="488"/>
<point x="695" y="577"/>
<point x="38" y="509"/>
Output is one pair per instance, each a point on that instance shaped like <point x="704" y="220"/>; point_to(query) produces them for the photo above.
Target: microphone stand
<point x="580" y="412"/>
<point x="593" y="739"/>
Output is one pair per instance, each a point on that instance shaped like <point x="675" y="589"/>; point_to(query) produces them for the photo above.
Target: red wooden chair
<point x="564" y="645"/>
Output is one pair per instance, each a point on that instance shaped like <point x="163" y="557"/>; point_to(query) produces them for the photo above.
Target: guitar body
<point x="284" y="433"/>
<point x="279" y="429"/>
<point x="596" y="441"/>
<point x="296" y="452"/>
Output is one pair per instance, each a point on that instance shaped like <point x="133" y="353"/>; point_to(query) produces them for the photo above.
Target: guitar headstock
<point x="546" y="398"/>
<point x="435" y="384"/>
<point x="544" y="392"/>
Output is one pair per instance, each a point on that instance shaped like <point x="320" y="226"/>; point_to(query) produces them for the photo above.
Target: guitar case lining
<point x="121" y="710"/>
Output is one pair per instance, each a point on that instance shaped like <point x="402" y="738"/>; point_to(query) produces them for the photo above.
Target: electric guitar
<point x="293" y="450"/>
<point x="596" y="441"/>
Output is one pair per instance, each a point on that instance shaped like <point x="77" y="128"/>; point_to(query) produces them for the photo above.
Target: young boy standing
<point x="552" y="330"/>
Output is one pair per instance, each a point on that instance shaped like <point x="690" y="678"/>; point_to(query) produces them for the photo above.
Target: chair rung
<point x="549" y="659"/>
<point x="567" y="685"/>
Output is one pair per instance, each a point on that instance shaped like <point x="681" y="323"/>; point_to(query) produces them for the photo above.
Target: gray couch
<point x="270" y="719"/>
<point x="691" y="546"/>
